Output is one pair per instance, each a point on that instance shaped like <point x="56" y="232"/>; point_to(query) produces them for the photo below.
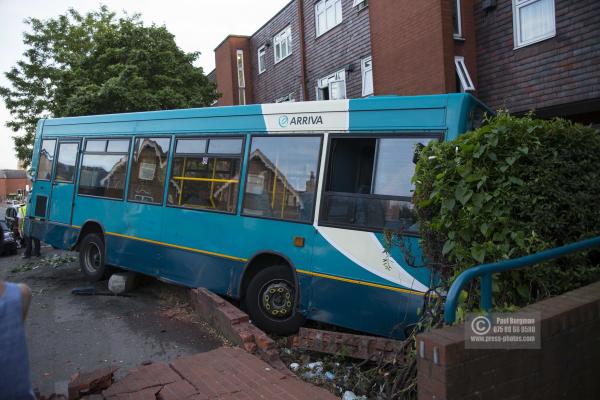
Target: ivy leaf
<point x="484" y="228"/>
<point x="516" y="181"/>
<point x="478" y="253"/>
<point x="448" y="204"/>
<point x="448" y="246"/>
<point x="523" y="291"/>
<point x="463" y="194"/>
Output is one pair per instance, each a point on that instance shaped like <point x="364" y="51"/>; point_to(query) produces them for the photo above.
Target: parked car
<point x="8" y="244"/>
<point x="11" y="217"/>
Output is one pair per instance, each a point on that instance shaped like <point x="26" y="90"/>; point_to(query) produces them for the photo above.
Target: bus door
<point x="367" y="191"/>
<point x="63" y="181"/>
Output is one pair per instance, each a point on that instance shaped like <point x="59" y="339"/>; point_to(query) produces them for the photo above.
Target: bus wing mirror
<point x="418" y="149"/>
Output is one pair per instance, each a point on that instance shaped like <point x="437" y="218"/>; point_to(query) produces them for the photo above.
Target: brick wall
<point x="282" y="78"/>
<point x="410" y="44"/>
<point x="226" y="70"/>
<point x="559" y="70"/>
<point x="566" y="367"/>
<point x="344" y="45"/>
<point x="8" y="186"/>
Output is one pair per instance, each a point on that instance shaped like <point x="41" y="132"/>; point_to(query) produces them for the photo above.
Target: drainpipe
<point x="300" y="5"/>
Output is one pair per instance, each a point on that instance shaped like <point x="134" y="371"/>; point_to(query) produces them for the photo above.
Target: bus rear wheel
<point x="91" y="257"/>
<point x="271" y="301"/>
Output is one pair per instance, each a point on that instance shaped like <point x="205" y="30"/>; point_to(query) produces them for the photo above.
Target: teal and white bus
<point x="283" y="206"/>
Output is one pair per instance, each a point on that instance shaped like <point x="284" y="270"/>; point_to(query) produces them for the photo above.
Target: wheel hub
<point x="277" y="299"/>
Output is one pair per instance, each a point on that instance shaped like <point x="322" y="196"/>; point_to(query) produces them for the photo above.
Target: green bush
<point x="513" y="187"/>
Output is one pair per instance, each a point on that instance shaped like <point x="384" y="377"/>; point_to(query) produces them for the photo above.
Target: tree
<point x="96" y="64"/>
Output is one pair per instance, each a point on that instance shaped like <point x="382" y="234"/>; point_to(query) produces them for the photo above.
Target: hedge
<point x="513" y="187"/>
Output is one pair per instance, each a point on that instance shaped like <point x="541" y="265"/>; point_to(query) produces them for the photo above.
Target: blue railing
<point x="485" y="272"/>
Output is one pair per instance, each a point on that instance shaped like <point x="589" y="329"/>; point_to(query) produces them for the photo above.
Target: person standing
<point x="31" y="243"/>
<point x="14" y="358"/>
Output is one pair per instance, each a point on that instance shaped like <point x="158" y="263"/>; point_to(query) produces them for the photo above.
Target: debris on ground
<point x="122" y="282"/>
<point x="93" y="291"/>
<point x="89" y="383"/>
<point x="347" y="377"/>
<point x="54" y="261"/>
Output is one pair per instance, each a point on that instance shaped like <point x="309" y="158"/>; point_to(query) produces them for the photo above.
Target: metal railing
<point x="485" y="272"/>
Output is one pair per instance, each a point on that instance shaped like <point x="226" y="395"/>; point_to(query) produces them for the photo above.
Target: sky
<point x="198" y="25"/>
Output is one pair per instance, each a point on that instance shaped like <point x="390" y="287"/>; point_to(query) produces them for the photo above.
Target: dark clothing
<point x="14" y="360"/>
<point x="32" y="244"/>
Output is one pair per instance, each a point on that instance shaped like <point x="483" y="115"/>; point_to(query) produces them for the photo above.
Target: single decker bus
<point x="283" y="206"/>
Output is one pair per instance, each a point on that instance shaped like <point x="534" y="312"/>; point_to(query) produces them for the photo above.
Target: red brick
<point x="90" y="382"/>
<point x="176" y="390"/>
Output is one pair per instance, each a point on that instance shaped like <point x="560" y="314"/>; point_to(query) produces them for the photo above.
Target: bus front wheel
<point x="91" y="257"/>
<point x="271" y="301"/>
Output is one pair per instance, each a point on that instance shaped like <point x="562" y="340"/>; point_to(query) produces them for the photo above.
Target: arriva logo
<point x="285" y="121"/>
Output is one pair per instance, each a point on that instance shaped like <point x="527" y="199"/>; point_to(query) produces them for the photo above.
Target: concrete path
<point x="68" y="333"/>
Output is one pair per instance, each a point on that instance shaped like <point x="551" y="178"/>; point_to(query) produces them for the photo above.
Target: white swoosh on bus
<point x="364" y="249"/>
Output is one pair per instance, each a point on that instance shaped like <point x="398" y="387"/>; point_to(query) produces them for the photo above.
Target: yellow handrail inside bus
<point x="283" y="197"/>
<point x="274" y="186"/>
<point x="212" y="184"/>
<point x="181" y="189"/>
<point x="185" y="178"/>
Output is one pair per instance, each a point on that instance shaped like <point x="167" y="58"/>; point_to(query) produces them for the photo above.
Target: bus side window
<point x="148" y="170"/>
<point x="369" y="183"/>
<point x="103" y="172"/>
<point x="206" y="174"/>
<point x="281" y="179"/>
<point x="46" y="159"/>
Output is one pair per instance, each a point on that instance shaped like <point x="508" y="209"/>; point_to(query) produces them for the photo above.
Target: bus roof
<point x="376" y="113"/>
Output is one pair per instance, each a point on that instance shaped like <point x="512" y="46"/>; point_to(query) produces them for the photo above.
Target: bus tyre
<point x="91" y="257"/>
<point x="270" y="300"/>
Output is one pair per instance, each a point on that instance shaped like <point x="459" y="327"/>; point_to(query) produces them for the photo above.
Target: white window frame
<point x="458" y="35"/>
<point x="262" y="57"/>
<point x="325" y="5"/>
<point x="363" y="71"/>
<point x="329" y="81"/>
<point x="241" y="76"/>
<point x="518" y="5"/>
<point x="360" y="4"/>
<point x="466" y="83"/>
<point x="283" y="37"/>
<point x="286" y="99"/>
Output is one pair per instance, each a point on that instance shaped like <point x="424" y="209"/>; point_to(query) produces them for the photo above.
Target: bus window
<point x="369" y="184"/>
<point x="282" y="175"/>
<point x="206" y="181"/>
<point x="46" y="159"/>
<point x="148" y="170"/>
<point x="65" y="165"/>
<point x="103" y="174"/>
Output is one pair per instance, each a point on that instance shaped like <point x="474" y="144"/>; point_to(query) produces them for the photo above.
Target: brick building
<point x="514" y="54"/>
<point x="12" y="181"/>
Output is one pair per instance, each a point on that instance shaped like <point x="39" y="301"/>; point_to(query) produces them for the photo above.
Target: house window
<point x="533" y="21"/>
<point x="367" y="76"/>
<point x="262" y="52"/>
<point x="360" y="4"/>
<point x="463" y="75"/>
<point x="332" y="87"/>
<point x="283" y="44"/>
<point x="328" y="13"/>
<point x="241" y="78"/>
<point x="456" y="17"/>
<point x="285" y="99"/>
